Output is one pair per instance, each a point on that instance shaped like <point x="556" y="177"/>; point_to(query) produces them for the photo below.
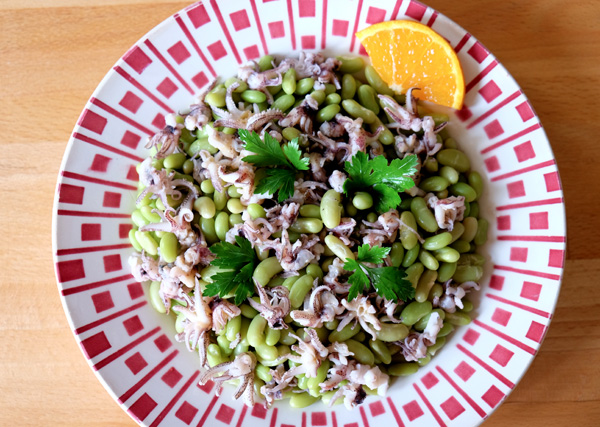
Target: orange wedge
<point x="408" y="54"/>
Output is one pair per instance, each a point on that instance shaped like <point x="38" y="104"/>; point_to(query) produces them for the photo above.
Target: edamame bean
<point x="313" y="383"/>
<point x="381" y="351"/>
<point x="256" y="211"/>
<point x="328" y="112"/>
<point x="310" y="211"/>
<point x="403" y="369"/>
<point x="288" y="84"/>
<point x="439" y="343"/>
<point x="368" y="98"/>
<point x="174" y="161"/>
<point x="414" y="272"/>
<point x="434" y="184"/>
<point x="446" y="254"/>
<point x="133" y="240"/>
<point x="266" y="352"/>
<point x="482" y="229"/>
<point x="426" y="281"/>
<point x="428" y="260"/>
<point x="147" y="242"/>
<point x="350" y="210"/>
<point x="333" y="98"/>
<point x="454" y="158"/>
<point x="377" y="82"/>
<point x="266" y="269"/>
<point x="361" y="336"/>
<point x="465" y="190"/>
<point x="386" y="137"/>
<point x="411" y="256"/>
<point x="207" y="225"/>
<point x="304" y="86"/>
<point x="272" y="336"/>
<point x="350" y="64"/>
<point x="235" y="206"/>
<point x="362" y="200"/>
<point x="476" y="183"/>
<point x="438" y="241"/>
<point x="348" y="86"/>
<point x="216" y="97"/>
<point x="169" y="247"/>
<point x="331" y="209"/>
<point x="471" y="259"/>
<point x="332" y="325"/>
<point x="450" y="174"/>
<point x="345" y="333"/>
<point x="214" y="355"/>
<point x="232" y="191"/>
<point x="307" y="225"/>
<point x="467" y="273"/>
<point x="356" y="110"/>
<point x="396" y="254"/>
<point x="235" y="219"/>
<point x="256" y="330"/>
<point x="233" y="328"/>
<point x="338" y="248"/>
<point x="458" y="318"/>
<point x="283" y="103"/>
<point x="327" y="396"/>
<point x="248" y="311"/>
<point x="471" y="226"/>
<point x="423" y="215"/>
<point x="302" y="400"/>
<point x="242" y="85"/>
<point x="415" y="311"/>
<point x="220" y="200"/>
<point x="222" y="225"/>
<point x="391" y="332"/>
<point x="474" y="211"/>
<point x="422" y="323"/>
<point x="155" y="299"/>
<point x="314" y="270"/>
<point x="139" y="219"/>
<point x="300" y="289"/>
<point x="207" y="186"/>
<point x="372" y="217"/>
<point x="431" y="165"/>
<point x="286" y="338"/>
<point x="446" y="329"/>
<point x="461" y="246"/>
<point x="467" y="306"/>
<point x="265" y="63"/>
<point x="408" y="228"/>
<point x="319" y="96"/>
<point x="289" y="282"/>
<point x="446" y="271"/>
<point x="290" y="133"/>
<point x="263" y="372"/>
<point x="361" y="352"/>
<point x="253" y="96"/>
<point x="457" y="231"/>
<point x="437" y="291"/>
<point x="223" y="344"/>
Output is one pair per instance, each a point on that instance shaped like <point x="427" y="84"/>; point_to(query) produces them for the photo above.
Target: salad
<point x="311" y="233"/>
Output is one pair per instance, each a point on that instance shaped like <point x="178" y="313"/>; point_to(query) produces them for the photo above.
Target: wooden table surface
<point x="52" y="58"/>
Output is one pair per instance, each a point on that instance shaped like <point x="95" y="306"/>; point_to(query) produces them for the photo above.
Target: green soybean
<point x="411" y="255"/>
<point x="350" y="64"/>
<point x="471" y="259"/>
<point x="361" y="352"/>
<point x="424" y="360"/>
<point x="139" y="219"/>
<point x="283" y="103"/>
<point x="313" y="383"/>
<point x="422" y="323"/>
<point x="333" y="98"/>
<point x="446" y="254"/>
<point x="314" y="270"/>
<point x="345" y="333"/>
<point x="471" y="224"/>
<point x="356" y="110"/>
<point x="201" y="144"/>
<point x="286" y="338"/>
<point x="431" y="165"/>
<point x="207" y="186"/>
<point x="328" y="112"/>
<point x="368" y="98"/>
<point x="461" y="246"/>
<point x="300" y="289"/>
<point x="446" y="329"/>
<point x="235" y="219"/>
<point x="426" y="282"/>
<point x="381" y="351"/>
<point x="465" y="190"/>
<point x="133" y="240"/>
<point x="446" y="271"/>
<point x="174" y="161"/>
<point x="288" y="84"/>
<point x="235" y="206"/>
<point x="458" y="318"/>
<point x="155" y="299"/>
<point x="289" y="282"/>
<point x="437" y="291"/>
<point x="147" y="242"/>
<point x="265" y="270"/>
<point x="222" y="225"/>
<point x="434" y="184"/>
<point x="467" y="273"/>
<point x="403" y="369"/>
<point x="242" y="85"/>
<point x="467" y="306"/>
<point x="169" y="247"/>
<point x="338" y="247"/>
<point x="220" y="200"/>
<point x="476" y="182"/>
<point x="482" y="230"/>
<point x="423" y="215"/>
<point x="307" y="225"/>
<point x="263" y="372"/>
<point x="454" y="158"/>
<point x="265" y="63"/>
<point x="377" y="82"/>
<point x="304" y="86"/>
<point x="216" y="97"/>
<point x="256" y="330"/>
<point x="362" y="200"/>
<point x="319" y="96"/>
<point x="310" y="211"/>
<point x="396" y="254"/>
<point x="474" y="211"/>
<point x="350" y="210"/>
<point x="290" y="133"/>
<point x="348" y="86"/>
<point x="232" y="191"/>
<point x="223" y="343"/>
<point x="233" y="327"/>
<point x="214" y="355"/>
<point x="415" y="311"/>
<point x="207" y="225"/>
<point x="391" y="332"/>
<point x="331" y="209"/>
<point x="438" y="241"/>
<point x="408" y="228"/>
<point x="386" y="137"/>
<point x="450" y="174"/>
<point x="266" y="352"/>
<point x="256" y="211"/>
<point x="457" y="231"/>
<point x="414" y="272"/>
<point x="302" y="400"/>
<point x="428" y="260"/>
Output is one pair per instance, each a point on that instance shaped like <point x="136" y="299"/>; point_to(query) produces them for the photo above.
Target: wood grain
<point x="53" y="56"/>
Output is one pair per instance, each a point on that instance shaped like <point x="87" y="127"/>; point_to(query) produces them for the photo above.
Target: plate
<point x="131" y="348"/>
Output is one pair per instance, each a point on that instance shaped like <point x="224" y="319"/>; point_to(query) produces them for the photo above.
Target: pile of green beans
<point x="430" y="259"/>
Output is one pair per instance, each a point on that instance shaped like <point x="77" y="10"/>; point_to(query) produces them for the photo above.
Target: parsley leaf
<point x="386" y="181"/>
<point x="239" y="261"/>
<point x="269" y="153"/>
<point x="389" y="282"/>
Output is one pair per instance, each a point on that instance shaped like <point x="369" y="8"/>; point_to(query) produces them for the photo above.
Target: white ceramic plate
<point x="130" y="346"/>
